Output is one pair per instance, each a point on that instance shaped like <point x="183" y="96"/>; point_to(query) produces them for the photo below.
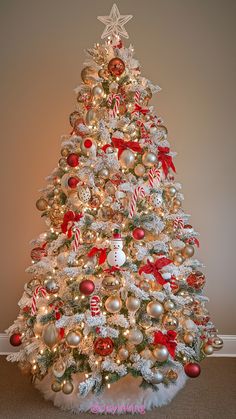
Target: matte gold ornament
<point x="139" y="170"/>
<point x="161" y="353"/>
<point x="188" y="338"/>
<point x="170" y="322"/>
<point x="91" y="117"/>
<point x="67" y="387"/>
<point x="110" y="285"/>
<point x="169" y="305"/>
<point x="56" y="386"/>
<point x="73" y="339"/>
<point x="217" y="343"/>
<point x="155" y="309"/>
<point x="147" y="354"/>
<point x="98" y="93"/>
<point x="50" y="335"/>
<point x="59" y="368"/>
<point x="123" y="353"/>
<point x="135" y="336"/>
<point x="188" y="251"/>
<point x="51" y="285"/>
<point x="157" y="377"/>
<point x="208" y="349"/>
<point x="178" y="260"/>
<point x="177" y="203"/>
<point x="89" y="75"/>
<point x="132" y="303"/>
<point x="41" y="204"/>
<point x="149" y="159"/>
<point x="127" y="159"/>
<point x="84" y="194"/>
<point x="113" y="304"/>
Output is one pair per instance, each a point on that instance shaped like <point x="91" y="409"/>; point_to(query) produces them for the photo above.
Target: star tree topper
<point x="114" y="23"/>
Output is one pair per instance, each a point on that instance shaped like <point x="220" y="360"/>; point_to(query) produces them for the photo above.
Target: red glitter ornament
<point x="192" y="369"/>
<point x="73" y="182"/>
<point x="196" y="280"/>
<point x="38" y="253"/>
<point x="138" y="233"/>
<point x="72" y="160"/>
<point x="88" y="143"/>
<point x="103" y="346"/>
<point x="86" y="287"/>
<point x="116" y="66"/>
<point x="15" y="339"/>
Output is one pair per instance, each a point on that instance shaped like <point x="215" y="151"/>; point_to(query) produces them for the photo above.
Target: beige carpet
<point x="212" y="395"/>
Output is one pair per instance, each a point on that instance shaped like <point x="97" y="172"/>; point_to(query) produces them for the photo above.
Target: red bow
<point x="153" y="268"/>
<point x="102" y="254"/>
<point x="138" y="108"/>
<point x="70" y="217"/>
<point x="165" y="159"/>
<point x="123" y="145"/>
<point x="168" y="340"/>
<point x="112" y="270"/>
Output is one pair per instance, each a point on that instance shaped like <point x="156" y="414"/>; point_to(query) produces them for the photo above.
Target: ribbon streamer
<point x="101" y="252"/>
<point x="154" y="268"/>
<point x="165" y="159"/>
<point x="70" y="217"/>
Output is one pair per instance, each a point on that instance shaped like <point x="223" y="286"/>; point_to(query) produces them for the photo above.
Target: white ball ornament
<point x="135" y="336"/>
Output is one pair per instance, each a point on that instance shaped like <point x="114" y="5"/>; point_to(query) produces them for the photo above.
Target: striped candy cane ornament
<point x="138" y="193"/>
<point x="76" y="242"/>
<point x="115" y="109"/>
<point x="95" y="305"/>
<point x="37" y="290"/>
<point x="178" y="223"/>
<point x="154" y="176"/>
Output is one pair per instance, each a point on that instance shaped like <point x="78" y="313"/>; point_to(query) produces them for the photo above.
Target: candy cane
<point x="154" y="176"/>
<point x="76" y="242"/>
<point x="143" y="130"/>
<point x="37" y="290"/>
<point x="178" y="223"/>
<point x="94" y="305"/>
<point x="138" y="192"/>
<point x="115" y="108"/>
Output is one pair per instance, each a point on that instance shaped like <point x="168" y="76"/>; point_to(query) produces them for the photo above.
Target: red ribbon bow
<point x="168" y="340"/>
<point x="138" y="108"/>
<point x="153" y="268"/>
<point x="123" y="145"/>
<point x="165" y="159"/>
<point x="112" y="270"/>
<point x="102" y="254"/>
<point x="70" y="217"/>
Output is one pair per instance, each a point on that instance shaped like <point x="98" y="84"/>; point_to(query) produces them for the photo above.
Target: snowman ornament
<point x="116" y="257"/>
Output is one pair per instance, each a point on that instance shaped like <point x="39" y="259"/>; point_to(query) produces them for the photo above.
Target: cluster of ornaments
<point x="115" y="175"/>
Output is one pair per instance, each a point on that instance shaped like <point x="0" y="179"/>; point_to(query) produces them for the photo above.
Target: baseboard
<point x="229" y="349"/>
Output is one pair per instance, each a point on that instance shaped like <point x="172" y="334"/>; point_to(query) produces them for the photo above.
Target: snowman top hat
<point x="116" y="235"/>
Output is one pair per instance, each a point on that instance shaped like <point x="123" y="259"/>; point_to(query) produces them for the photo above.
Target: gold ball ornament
<point x="170" y="322"/>
<point x="177" y="203"/>
<point x="110" y="285"/>
<point x="155" y="309"/>
<point x="188" y="338"/>
<point x="149" y="159"/>
<point x="145" y="285"/>
<point x="56" y="386"/>
<point x="104" y="173"/>
<point x="89" y="75"/>
<point x="139" y="170"/>
<point x="135" y="336"/>
<point x="65" y="152"/>
<point x="41" y="204"/>
<point x="208" y="349"/>
<point x="161" y="353"/>
<point x="171" y="191"/>
<point x="98" y="93"/>
<point x="91" y="117"/>
<point x="127" y="159"/>
<point x="157" y="377"/>
<point x="132" y="303"/>
<point x="73" y="339"/>
<point x="145" y="322"/>
<point x="188" y="251"/>
<point x="123" y="354"/>
<point x="147" y="354"/>
<point x="172" y="375"/>
<point x="113" y="304"/>
<point x="104" y="74"/>
<point x="169" y="305"/>
<point x="178" y="260"/>
<point x="67" y="387"/>
<point x="50" y="335"/>
<point x="217" y="343"/>
<point x="59" y="368"/>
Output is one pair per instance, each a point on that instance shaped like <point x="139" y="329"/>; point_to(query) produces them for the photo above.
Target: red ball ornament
<point x="103" y="346"/>
<point x="73" y="182"/>
<point x="38" y="253"/>
<point x="86" y="287"/>
<point x="192" y="369"/>
<point x="116" y="66"/>
<point x="72" y="160"/>
<point x="88" y="143"/>
<point x="138" y="233"/>
<point x="15" y="339"/>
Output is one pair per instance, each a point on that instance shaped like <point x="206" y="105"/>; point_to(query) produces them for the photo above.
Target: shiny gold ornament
<point x="98" y="93"/>
<point x="41" y="204"/>
<point x="178" y="260"/>
<point x="208" y="349"/>
<point x="67" y="387"/>
<point x="217" y="343"/>
<point x="113" y="304"/>
<point x="139" y="170"/>
<point x="171" y="191"/>
<point x="132" y="303"/>
<point x="147" y="354"/>
<point x="91" y="117"/>
<point x="59" y="368"/>
<point x="73" y="339"/>
<point x="104" y="173"/>
<point x="123" y="353"/>
<point x="127" y="159"/>
<point x="172" y="375"/>
<point x="110" y="285"/>
<point x="188" y="338"/>
<point x="50" y="335"/>
<point x="84" y="194"/>
<point x="149" y="159"/>
<point x="56" y="386"/>
<point x="89" y="75"/>
<point x="104" y="74"/>
<point x="145" y="322"/>
<point x="122" y="109"/>
<point x="157" y="376"/>
<point x="89" y="236"/>
<point x="188" y="251"/>
<point x="170" y="322"/>
<point x="155" y="309"/>
<point x="169" y="305"/>
<point x="161" y="353"/>
<point x="177" y="203"/>
<point x="135" y="336"/>
<point x="62" y="163"/>
<point x="65" y="152"/>
<point x="38" y="328"/>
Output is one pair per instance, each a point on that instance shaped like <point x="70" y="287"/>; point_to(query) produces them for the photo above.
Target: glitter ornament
<point x="103" y="346"/>
<point x="38" y="253"/>
<point x="135" y="336"/>
<point x="56" y="386"/>
<point x="73" y="182"/>
<point x="196" y="280"/>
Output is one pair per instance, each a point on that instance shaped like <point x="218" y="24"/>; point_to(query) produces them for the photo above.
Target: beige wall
<point x="186" y="46"/>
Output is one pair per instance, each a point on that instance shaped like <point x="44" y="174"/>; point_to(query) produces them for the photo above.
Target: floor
<point x="212" y="395"/>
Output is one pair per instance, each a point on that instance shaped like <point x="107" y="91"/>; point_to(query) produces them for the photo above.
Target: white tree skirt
<point x="125" y="392"/>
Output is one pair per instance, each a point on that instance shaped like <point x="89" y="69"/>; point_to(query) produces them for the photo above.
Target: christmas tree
<point x="114" y="307"/>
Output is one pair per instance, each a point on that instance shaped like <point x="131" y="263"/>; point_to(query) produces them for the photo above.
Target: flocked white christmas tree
<point x="114" y="310"/>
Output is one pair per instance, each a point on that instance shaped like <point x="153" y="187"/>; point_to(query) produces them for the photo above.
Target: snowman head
<point x="116" y="242"/>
